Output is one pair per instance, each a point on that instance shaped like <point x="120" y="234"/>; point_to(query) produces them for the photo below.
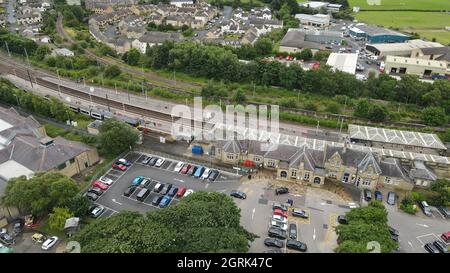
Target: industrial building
<point x="297" y="39"/>
<point x="374" y="34"/>
<point x="422" y="67"/>
<point x="415" y="48"/>
<point x="316" y="20"/>
<point x="345" y="62"/>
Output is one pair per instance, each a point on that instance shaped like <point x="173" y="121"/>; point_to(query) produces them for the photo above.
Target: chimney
<point x="46" y="141"/>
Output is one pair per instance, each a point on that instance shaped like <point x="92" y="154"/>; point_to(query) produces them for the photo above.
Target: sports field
<point x="401" y="4"/>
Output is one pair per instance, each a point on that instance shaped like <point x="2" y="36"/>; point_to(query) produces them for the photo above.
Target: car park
<point x="300" y="213"/>
<point x="342" y="220"/>
<point x="425" y="208"/>
<point x="178" y="167"/>
<point x="142" y="194"/>
<point x="445" y="211"/>
<point x="92" y="196"/>
<point x="188" y="192"/>
<point x="156" y="200"/>
<point x="296" y="245"/>
<point x="199" y="171"/>
<point x="213" y="176"/>
<point x="146" y="160"/>
<point x="129" y="191"/>
<point x="181" y="191"/>
<point x="282" y="190"/>
<point x="125" y="162"/>
<point x="279" y="218"/>
<point x="159" y="162"/>
<point x="378" y="196"/>
<point x="96" y="191"/>
<point x="238" y="194"/>
<point x="277" y="233"/>
<point x="105" y="180"/>
<point x="158" y="187"/>
<point x="391" y="198"/>
<point x="367" y="195"/>
<point x="137" y="181"/>
<point x="430" y="248"/>
<point x="293" y="231"/>
<point x="49" y="243"/>
<point x="441" y="246"/>
<point x="274" y="242"/>
<point x="279" y="225"/>
<point x="279" y="206"/>
<point x="100" y="185"/>
<point x="280" y="212"/>
<point x="165" y="201"/>
<point x="172" y="192"/>
<point x="152" y="161"/>
<point x="446" y="237"/>
<point x="185" y="169"/>
<point x="118" y="166"/>
<point x="206" y="173"/>
<point x="192" y="170"/>
<point x="96" y="211"/>
<point x="166" y="189"/>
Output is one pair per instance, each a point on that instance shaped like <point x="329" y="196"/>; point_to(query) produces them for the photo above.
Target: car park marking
<point x="426" y="235"/>
<point x="114" y="200"/>
<point x="253" y="213"/>
<point x="179" y="180"/>
<point x="410" y="244"/>
<point x="206" y="185"/>
<point x="423" y="225"/>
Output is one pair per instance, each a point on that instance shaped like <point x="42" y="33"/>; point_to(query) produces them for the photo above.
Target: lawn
<point x="402" y="4"/>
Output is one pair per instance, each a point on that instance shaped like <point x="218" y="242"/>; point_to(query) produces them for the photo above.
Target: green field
<point x="402" y="4"/>
<point x="427" y="24"/>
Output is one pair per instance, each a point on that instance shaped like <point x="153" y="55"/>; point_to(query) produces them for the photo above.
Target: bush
<point x="408" y="206"/>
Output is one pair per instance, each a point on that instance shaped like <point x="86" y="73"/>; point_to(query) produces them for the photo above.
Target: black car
<point x="153" y="161"/>
<point x="146" y="160"/>
<point x="297" y="245"/>
<point x="279" y="206"/>
<point x="342" y="220"/>
<point x="445" y="211"/>
<point x="394" y="232"/>
<point x="192" y="170"/>
<point x="157" y="200"/>
<point x="166" y="189"/>
<point x="18" y="227"/>
<point x="6" y="239"/>
<point x="129" y="191"/>
<point x="293" y="231"/>
<point x="300" y="213"/>
<point x="274" y="242"/>
<point x="441" y="246"/>
<point x="172" y="191"/>
<point x="281" y="190"/>
<point x="277" y="233"/>
<point x="96" y="191"/>
<point x="367" y="195"/>
<point x="431" y="248"/>
<point x="92" y="196"/>
<point x="213" y="175"/>
<point x="238" y="194"/>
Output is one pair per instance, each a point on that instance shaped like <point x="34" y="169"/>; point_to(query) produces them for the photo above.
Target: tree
<point x="434" y="116"/>
<point x="132" y="57"/>
<point x="39" y="194"/>
<point x="239" y="96"/>
<point x="112" y="71"/>
<point x="362" y="109"/>
<point x="306" y="54"/>
<point x="58" y="218"/>
<point x="202" y="222"/>
<point x="116" y="136"/>
<point x="333" y="108"/>
<point x="263" y="46"/>
<point x="378" y="113"/>
<point x="78" y="205"/>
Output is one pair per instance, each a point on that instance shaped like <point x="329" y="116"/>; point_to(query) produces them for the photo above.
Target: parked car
<point x="378" y="196"/>
<point x="282" y="190"/>
<point x="188" y="192"/>
<point x="274" y="242"/>
<point x="95" y="190"/>
<point x="279" y="206"/>
<point x="118" y="166"/>
<point x="445" y="211"/>
<point x="178" y="167"/>
<point x="165" y="201"/>
<point x="430" y="248"/>
<point x="391" y="198"/>
<point x="129" y="191"/>
<point x="441" y="246"/>
<point x="125" y="162"/>
<point x="185" y="169"/>
<point x="152" y="161"/>
<point x="359" y="67"/>
<point x="238" y="194"/>
<point x="181" y="191"/>
<point x="96" y="211"/>
<point x="280" y="212"/>
<point x="6" y="239"/>
<point x="105" y="180"/>
<point x="166" y="189"/>
<point x="49" y="243"/>
<point x="213" y="176"/>
<point x="425" y="208"/>
<point x="38" y="238"/>
<point x="156" y="200"/>
<point x="277" y="233"/>
<point x="342" y="220"/>
<point x="92" y="196"/>
<point x="296" y="245"/>
<point x="367" y="195"/>
<point x="100" y="185"/>
<point x="300" y="213"/>
<point x="280" y="225"/>
<point x="394" y="232"/>
<point x="199" y="171"/>
<point x="137" y="181"/>
<point x="146" y="182"/>
<point x="159" y="162"/>
<point x="206" y="173"/>
<point x="142" y="194"/>
<point x="18" y="227"/>
<point x="158" y="187"/>
<point x="192" y="170"/>
<point x="146" y="160"/>
<point x="293" y="231"/>
<point x="446" y="237"/>
<point x="173" y="191"/>
<point x="279" y="218"/>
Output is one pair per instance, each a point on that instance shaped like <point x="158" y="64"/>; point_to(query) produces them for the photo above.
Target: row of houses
<point x="29" y="12"/>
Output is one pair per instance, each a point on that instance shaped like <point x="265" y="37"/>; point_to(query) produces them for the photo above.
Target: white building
<point x="63" y="52"/>
<point x="345" y="62"/>
<point x="179" y="3"/>
<point x="316" y="20"/>
<point x="314" y="4"/>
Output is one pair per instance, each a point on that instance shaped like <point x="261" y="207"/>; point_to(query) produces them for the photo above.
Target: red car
<point x="185" y="169"/>
<point x="280" y="213"/>
<point x="119" y="167"/>
<point x="181" y="191"/>
<point x="100" y="185"/>
<point x="446" y="237"/>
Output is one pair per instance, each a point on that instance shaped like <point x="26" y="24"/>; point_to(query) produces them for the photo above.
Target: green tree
<point x="434" y="116"/>
<point x="362" y="109"/>
<point x="112" y="71"/>
<point x="306" y="54"/>
<point x="378" y="113"/>
<point x="39" y="194"/>
<point x="78" y="205"/>
<point x="239" y="96"/>
<point x="132" y="57"/>
<point x="333" y="107"/>
<point x="58" y="217"/>
<point x="117" y="136"/>
<point x="263" y="46"/>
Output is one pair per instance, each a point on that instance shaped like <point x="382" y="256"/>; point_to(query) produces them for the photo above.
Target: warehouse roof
<point x="11" y="169"/>
<point x="371" y="30"/>
<point x="416" y="61"/>
<point x="345" y="62"/>
<point x="322" y="18"/>
<point x="395" y="137"/>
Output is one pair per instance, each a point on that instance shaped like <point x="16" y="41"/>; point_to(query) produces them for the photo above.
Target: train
<point x="102" y="115"/>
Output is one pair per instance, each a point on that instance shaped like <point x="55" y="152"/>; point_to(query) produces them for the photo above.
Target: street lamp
<point x="91" y="89"/>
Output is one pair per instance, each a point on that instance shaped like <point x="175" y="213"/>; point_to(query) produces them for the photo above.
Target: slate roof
<point x="421" y="171"/>
<point x="391" y="167"/>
